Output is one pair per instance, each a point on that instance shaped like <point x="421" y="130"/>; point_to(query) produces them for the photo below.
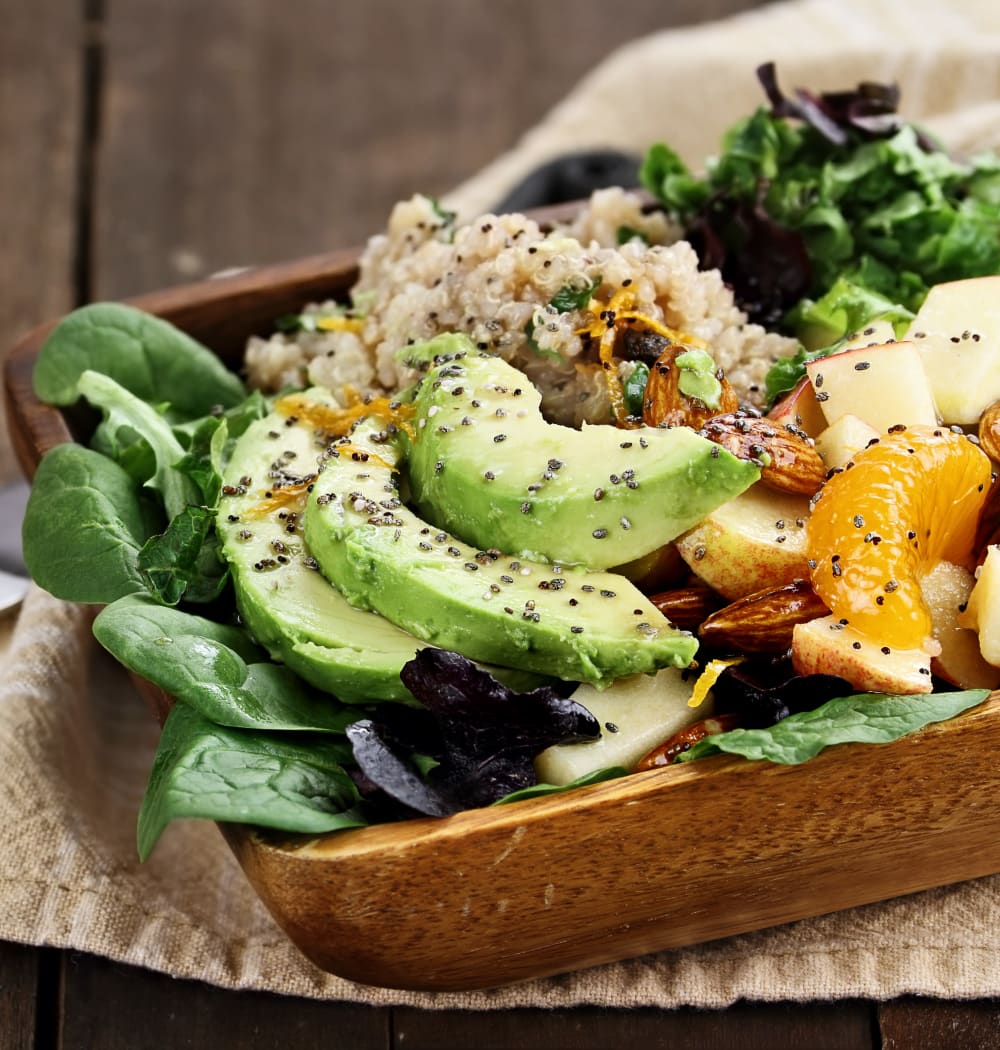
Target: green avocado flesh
<point x="284" y="600"/>
<point x="549" y="618"/>
<point x="485" y="465"/>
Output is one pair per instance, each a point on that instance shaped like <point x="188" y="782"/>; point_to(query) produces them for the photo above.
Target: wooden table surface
<point x="147" y="143"/>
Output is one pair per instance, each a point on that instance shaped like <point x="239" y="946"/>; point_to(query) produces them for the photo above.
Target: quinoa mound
<point x="495" y="278"/>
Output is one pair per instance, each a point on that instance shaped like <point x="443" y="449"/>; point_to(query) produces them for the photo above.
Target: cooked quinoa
<point x="494" y="279"/>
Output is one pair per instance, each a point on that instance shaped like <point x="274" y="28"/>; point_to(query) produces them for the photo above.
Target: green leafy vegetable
<point x="598" y="776"/>
<point x="183" y="561"/>
<point x="148" y="356"/>
<point x="869" y="718"/>
<point x="214" y="668"/>
<point x="635" y="389"/>
<point x="573" y="297"/>
<point x="84" y="526"/>
<point x="245" y="777"/>
<point x="624" y="234"/>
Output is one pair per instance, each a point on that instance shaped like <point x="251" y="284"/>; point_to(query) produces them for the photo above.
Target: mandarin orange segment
<point x="902" y="505"/>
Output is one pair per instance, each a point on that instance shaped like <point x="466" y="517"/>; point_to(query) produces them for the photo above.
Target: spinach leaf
<point x="573" y="297"/>
<point x="869" y="718"/>
<point x="184" y="561"/>
<point x="214" y="668"/>
<point x="598" y="776"/>
<point x="127" y="414"/>
<point x="635" y="389"/>
<point x="83" y="527"/>
<point x="149" y="357"/>
<point x="245" y="777"/>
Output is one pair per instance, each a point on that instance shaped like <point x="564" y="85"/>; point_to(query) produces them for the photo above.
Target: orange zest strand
<point x="282" y="497"/>
<point x="339" y="323"/>
<point x="607" y="320"/>
<point x="336" y="421"/>
<point x="898" y="509"/>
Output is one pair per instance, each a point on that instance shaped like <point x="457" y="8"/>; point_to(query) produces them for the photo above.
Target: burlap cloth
<point x="76" y="743"/>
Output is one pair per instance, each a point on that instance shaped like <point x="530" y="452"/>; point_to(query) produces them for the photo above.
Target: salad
<point x="544" y="506"/>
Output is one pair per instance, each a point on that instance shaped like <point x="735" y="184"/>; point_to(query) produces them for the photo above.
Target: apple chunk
<point x="982" y="612"/>
<point x="826" y="646"/>
<point x="884" y="385"/>
<point x="800" y="409"/>
<point x="843" y="440"/>
<point x="957" y="332"/>
<point x="946" y="590"/>
<point x="750" y="543"/>
<point x="636" y="714"/>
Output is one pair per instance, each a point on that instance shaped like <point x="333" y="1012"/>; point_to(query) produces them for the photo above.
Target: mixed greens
<point x="835" y="198"/>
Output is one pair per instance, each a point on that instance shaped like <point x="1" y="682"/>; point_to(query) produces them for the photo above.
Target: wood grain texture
<point x="916" y="1024"/>
<point x="243" y="138"/>
<point x="19" y="974"/>
<point x="744" y="1026"/>
<point x="40" y="120"/>
<point x="116" y="1007"/>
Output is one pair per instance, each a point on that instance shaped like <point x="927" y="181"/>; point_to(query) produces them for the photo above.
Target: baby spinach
<point x="147" y="355"/>
<point x="184" y="561"/>
<point x="868" y="718"/>
<point x="215" y="668"/>
<point x="84" y="526"/>
<point x="245" y="777"/>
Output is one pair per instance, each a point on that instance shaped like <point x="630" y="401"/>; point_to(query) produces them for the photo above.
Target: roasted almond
<point x="687" y="607"/>
<point x="788" y="460"/>
<point x="683" y="740"/>
<point x="665" y="404"/>
<point x="989" y="431"/>
<point x="762" y="622"/>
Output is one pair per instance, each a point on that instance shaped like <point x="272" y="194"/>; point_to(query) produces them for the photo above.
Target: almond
<point x="989" y="431"/>
<point x="762" y="622"/>
<point x="788" y="459"/>
<point x="686" y="607"/>
<point x="665" y="404"/>
<point x="682" y="741"/>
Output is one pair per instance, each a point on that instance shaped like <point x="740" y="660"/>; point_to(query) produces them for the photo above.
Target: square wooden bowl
<point x="650" y="862"/>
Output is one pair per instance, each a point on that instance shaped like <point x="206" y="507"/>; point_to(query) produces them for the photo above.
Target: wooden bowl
<point x="654" y="861"/>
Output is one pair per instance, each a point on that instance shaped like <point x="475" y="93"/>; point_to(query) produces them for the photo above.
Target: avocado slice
<point x="550" y="618"/>
<point x="486" y="465"/>
<point x="285" y="602"/>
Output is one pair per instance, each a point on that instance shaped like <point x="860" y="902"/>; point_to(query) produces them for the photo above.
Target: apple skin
<point x="751" y="543"/>
<point x="957" y="333"/>
<point x="843" y="440"/>
<point x="885" y="385"/>
<point x="825" y="646"/>
<point x="800" y="409"/>
<point x="946" y="590"/>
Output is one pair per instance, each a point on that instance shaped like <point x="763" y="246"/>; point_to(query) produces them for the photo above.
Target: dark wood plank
<point x="118" y="1007"/>
<point x="253" y="133"/>
<point x="746" y="1026"/>
<point x="19" y="995"/>
<point x="41" y="86"/>
<point x="915" y="1024"/>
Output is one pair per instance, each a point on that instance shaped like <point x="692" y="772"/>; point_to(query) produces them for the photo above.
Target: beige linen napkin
<point x="76" y="742"/>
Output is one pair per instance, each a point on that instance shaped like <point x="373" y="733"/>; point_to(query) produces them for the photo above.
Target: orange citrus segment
<point x="900" y="507"/>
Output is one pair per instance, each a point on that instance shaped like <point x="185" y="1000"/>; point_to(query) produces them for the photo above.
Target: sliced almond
<point x="989" y="431"/>
<point x="762" y="622"/>
<point x="789" y="461"/>
<point x="665" y="404"/>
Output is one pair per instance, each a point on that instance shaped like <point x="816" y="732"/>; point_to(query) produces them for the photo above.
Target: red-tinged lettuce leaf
<point x="474" y="743"/>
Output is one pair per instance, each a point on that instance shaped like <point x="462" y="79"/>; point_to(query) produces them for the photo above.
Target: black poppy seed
<point x="924" y="670"/>
<point x="514" y="566"/>
<point x="506" y="579"/>
<point x="837" y="571"/>
<point x="526" y="507"/>
<point x="862" y="366"/>
<point x="811" y="563"/>
<point x="716" y="451"/>
<point x="599" y="534"/>
<point x="439" y="466"/>
<point x="441" y="537"/>
<point x="625" y="523"/>
<point x="611" y="727"/>
<point x="489" y="475"/>
<point x="780" y="539"/>
<point x="508" y="609"/>
<point x="598" y="494"/>
<point x="614" y="479"/>
<point x="822" y="395"/>
<point x="472" y="566"/>
<point x="885" y="650"/>
<point x="890" y="586"/>
<point x="577" y="630"/>
<point x="699" y="552"/>
<point x="454" y="552"/>
<point x="859" y="521"/>
<point x="588" y="587"/>
<point x="573" y="601"/>
<point x="855" y="645"/>
<point x="608" y="594"/>
<point x="880" y="599"/>
<point x="497" y="438"/>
